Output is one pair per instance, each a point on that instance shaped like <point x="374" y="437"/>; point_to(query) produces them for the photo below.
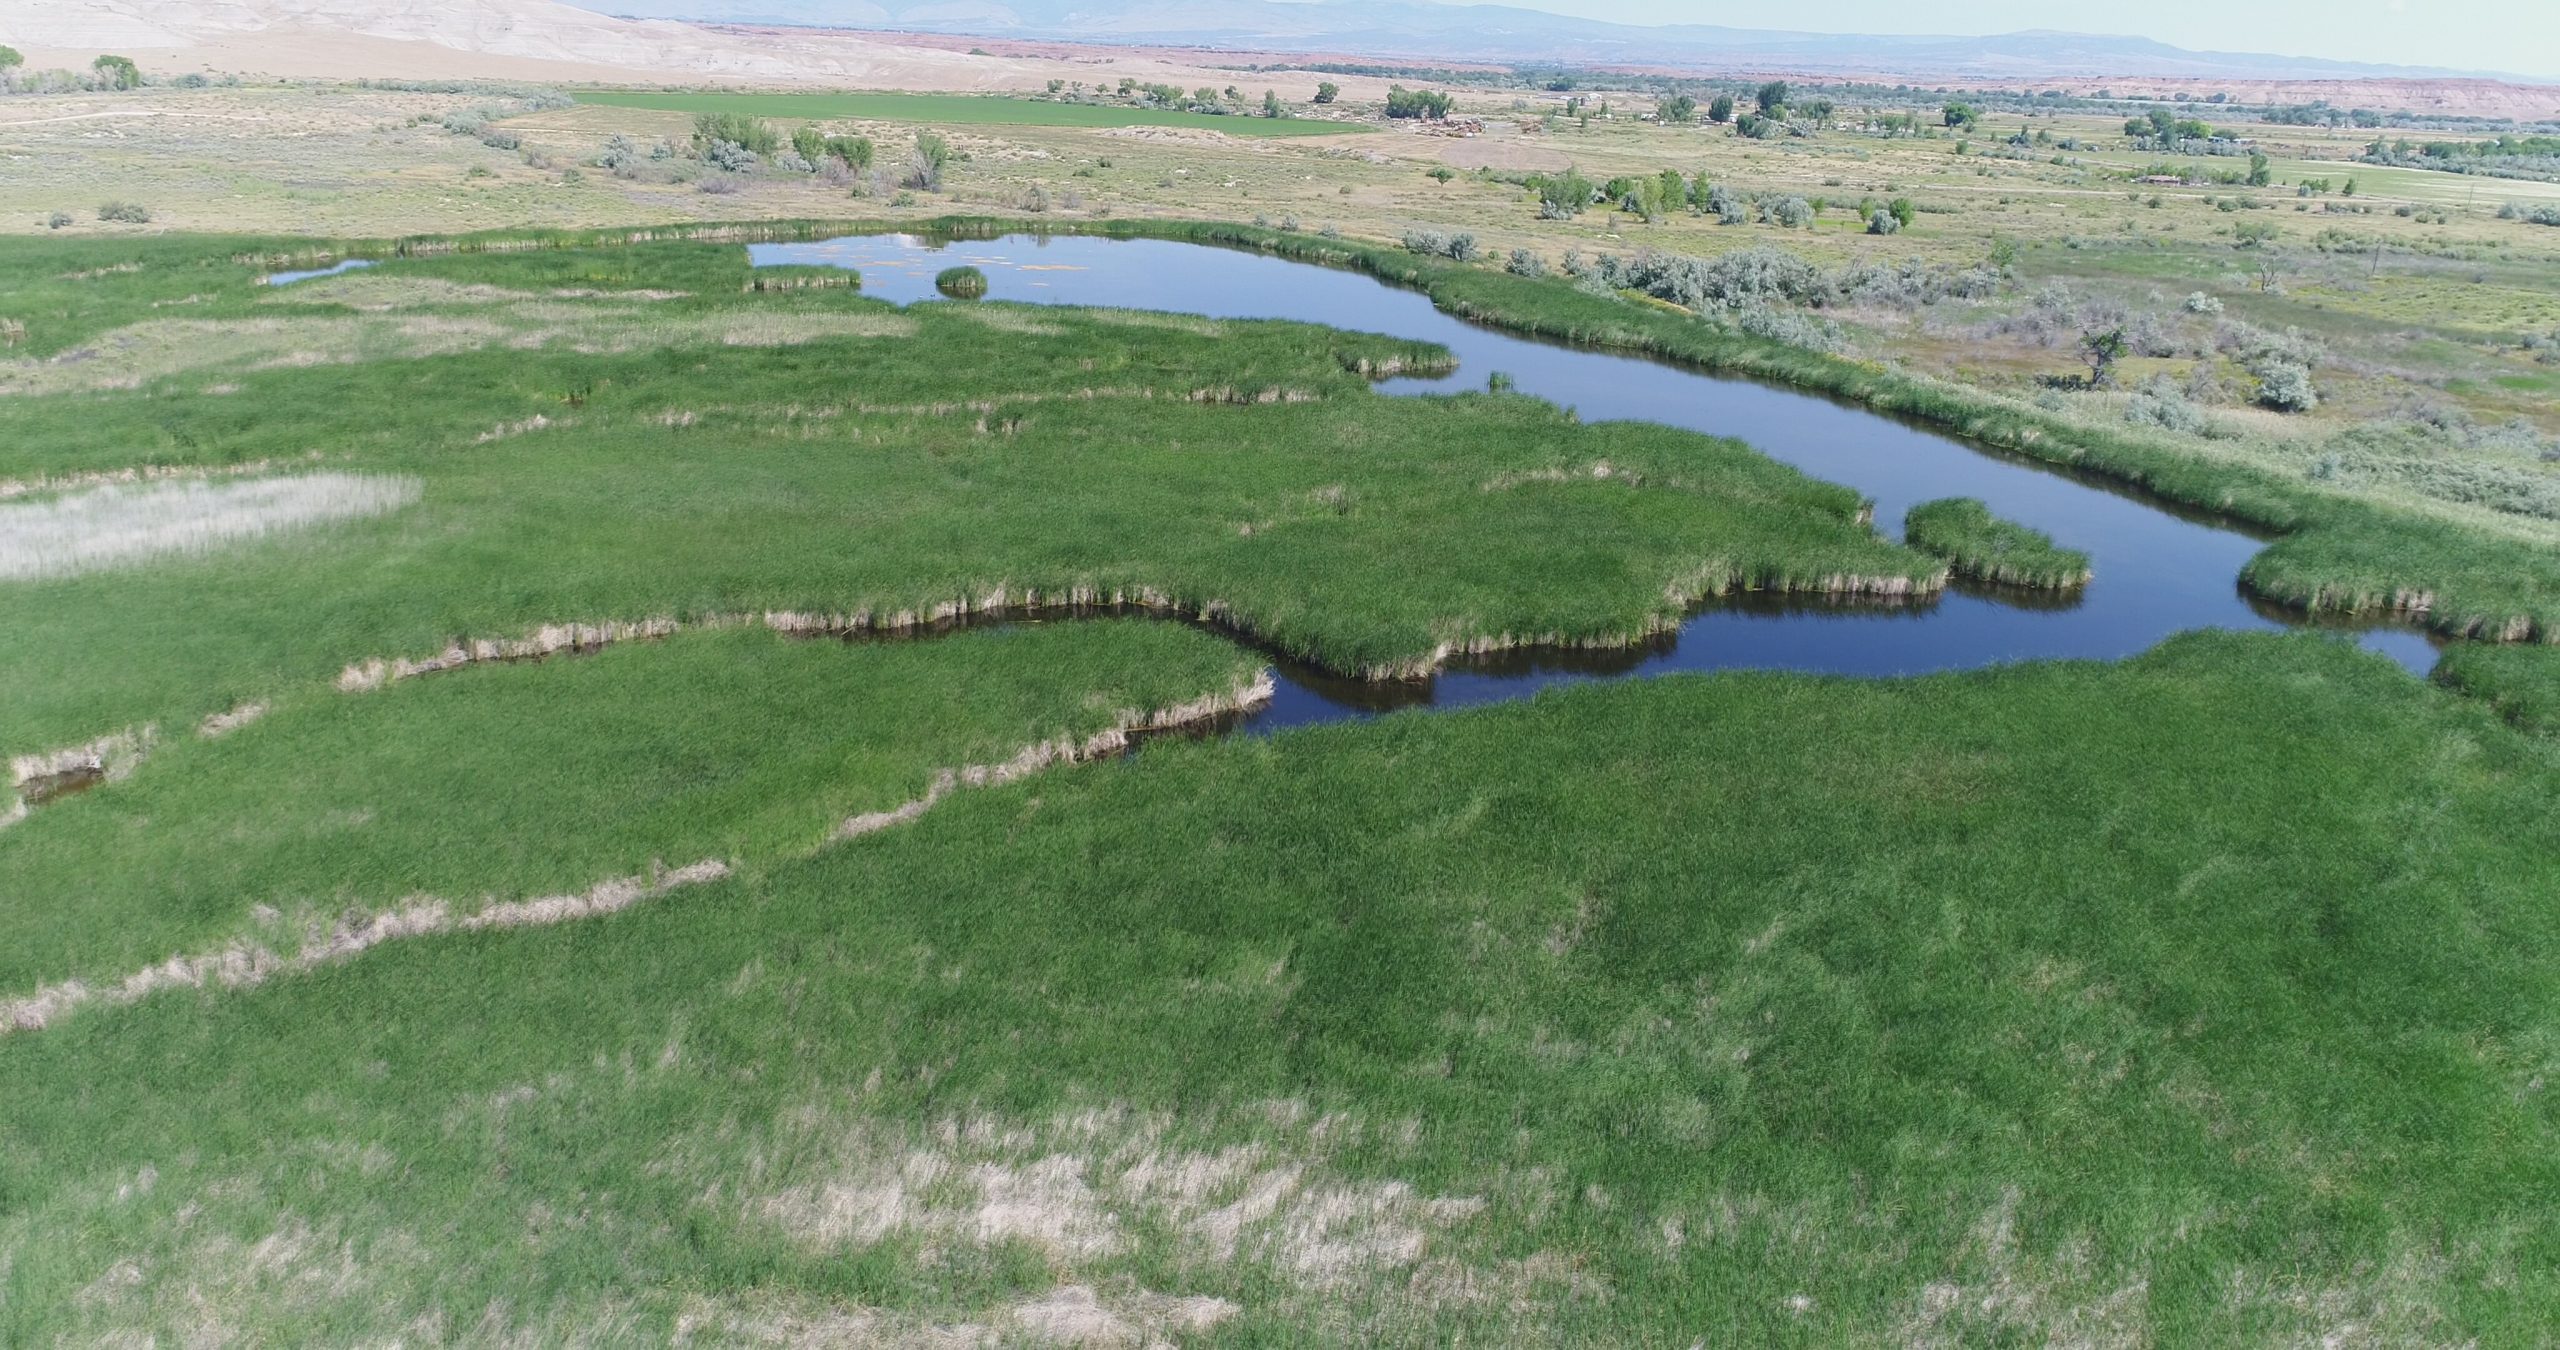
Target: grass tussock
<point x="118" y="526"/>
<point x="1372" y="1033"/>
<point x="1980" y="545"/>
<point x="2521" y="682"/>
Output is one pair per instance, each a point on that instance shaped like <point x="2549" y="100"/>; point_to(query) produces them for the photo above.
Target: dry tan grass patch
<point x="117" y="525"/>
<point x="789" y="330"/>
<point x="276" y="945"/>
<point x="1070" y="1314"/>
<point x="1006" y="319"/>
<point x="2058" y="1298"/>
<point x="474" y="318"/>
<point x="1098" y="1188"/>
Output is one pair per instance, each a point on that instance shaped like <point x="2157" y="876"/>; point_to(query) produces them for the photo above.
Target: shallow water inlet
<point x="333" y="269"/>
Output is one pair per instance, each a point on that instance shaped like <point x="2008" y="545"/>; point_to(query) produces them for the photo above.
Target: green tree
<point x="2100" y="352"/>
<point x="855" y="151"/>
<point x="2261" y="172"/>
<point x="1721" y="111"/>
<point x="752" y="134"/>
<point x="1562" y="196"/>
<point x="1961" y="115"/>
<point x="809" y="143"/>
<point x="1901" y="210"/>
<point x="11" y="58"/>
<point x="119" y="72"/>
<point x="1771" y="96"/>
<point x="1429" y="104"/>
<point x="1328" y="91"/>
<point x="1681" y="108"/>
<point x="1270" y="104"/>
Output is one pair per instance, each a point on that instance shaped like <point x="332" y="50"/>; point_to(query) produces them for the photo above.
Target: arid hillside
<point x="517" y="39"/>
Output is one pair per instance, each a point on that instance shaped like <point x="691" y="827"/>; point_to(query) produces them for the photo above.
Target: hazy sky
<point x="2521" y="36"/>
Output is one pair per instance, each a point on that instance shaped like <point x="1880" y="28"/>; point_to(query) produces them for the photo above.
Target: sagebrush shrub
<point x="2284" y="385"/>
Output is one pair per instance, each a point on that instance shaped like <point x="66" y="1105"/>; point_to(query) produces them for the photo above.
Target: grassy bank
<point x="2202" y="999"/>
<point x="2520" y="682"/>
<point x="1979" y="544"/>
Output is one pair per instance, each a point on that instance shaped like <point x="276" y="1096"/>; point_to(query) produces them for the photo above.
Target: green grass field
<point x="542" y="779"/>
<point x="2206" y="999"/>
<point x="959" y="110"/>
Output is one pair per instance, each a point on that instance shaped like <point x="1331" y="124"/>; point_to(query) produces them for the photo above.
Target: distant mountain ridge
<point x="1404" y="29"/>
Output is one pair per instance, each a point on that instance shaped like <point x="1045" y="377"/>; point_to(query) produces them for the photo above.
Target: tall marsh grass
<point x="2201" y="999"/>
<point x="1981" y="545"/>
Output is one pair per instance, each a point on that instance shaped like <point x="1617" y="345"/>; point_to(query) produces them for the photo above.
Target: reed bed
<point x="1980" y="545"/>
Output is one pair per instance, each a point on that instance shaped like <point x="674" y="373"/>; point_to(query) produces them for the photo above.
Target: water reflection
<point x="333" y="269"/>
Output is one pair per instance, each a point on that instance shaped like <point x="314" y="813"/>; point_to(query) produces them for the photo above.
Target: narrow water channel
<point x="2159" y="570"/>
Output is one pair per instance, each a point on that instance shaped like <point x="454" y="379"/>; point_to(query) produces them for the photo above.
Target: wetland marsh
<point x="505" y="921"/>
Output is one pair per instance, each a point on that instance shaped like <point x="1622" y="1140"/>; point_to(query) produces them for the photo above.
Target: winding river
<point x="2159" y="569"/>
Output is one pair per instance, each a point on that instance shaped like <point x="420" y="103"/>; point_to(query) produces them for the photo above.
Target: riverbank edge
<point x="2426" y="571"/>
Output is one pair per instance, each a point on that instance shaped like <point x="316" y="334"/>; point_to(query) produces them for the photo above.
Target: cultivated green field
<point x="960" y="110"/>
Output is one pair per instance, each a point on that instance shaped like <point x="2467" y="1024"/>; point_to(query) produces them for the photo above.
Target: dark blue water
<point x="2158" y="570"/>
<point x="288" y="278"/>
